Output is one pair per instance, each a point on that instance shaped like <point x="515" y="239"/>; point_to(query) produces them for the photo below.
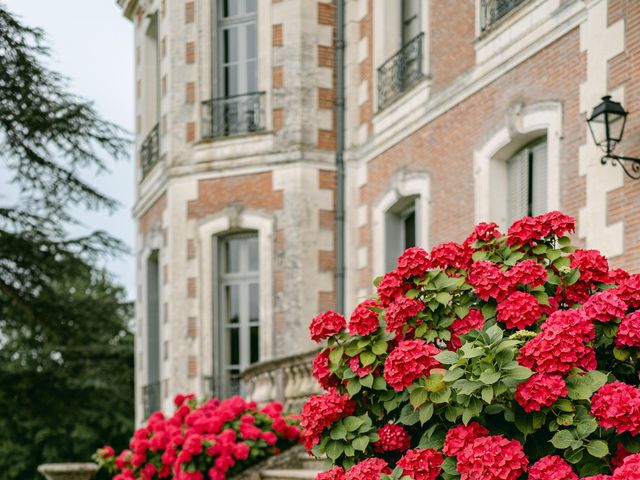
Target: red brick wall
<point x="153" y="216"/>
<point x="451" y="38"/>
<point x="250" y="191"/>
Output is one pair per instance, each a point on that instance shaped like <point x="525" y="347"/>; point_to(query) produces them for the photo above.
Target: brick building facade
<point x="456" y="112"/>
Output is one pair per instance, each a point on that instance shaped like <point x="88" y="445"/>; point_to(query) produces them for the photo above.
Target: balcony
<point x="493" y="10"/>
<point x="151" y="398"/>
<point x="150" y="150"/>
<point x="288" y="380"/>
<point x="400" y="72"/>
<point x="233" y="115"/>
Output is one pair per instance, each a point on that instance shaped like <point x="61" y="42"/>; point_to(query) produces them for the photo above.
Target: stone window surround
<point x="219" y="224"/>
<point x="404" y="184"/>
<point x="521" y="125"/>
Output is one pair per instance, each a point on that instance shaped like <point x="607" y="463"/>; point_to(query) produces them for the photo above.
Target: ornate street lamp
<point x="607" y="126"/>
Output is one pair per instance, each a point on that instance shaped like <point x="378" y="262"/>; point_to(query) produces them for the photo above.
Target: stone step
<point x="310" y="462"/>
<point x="301" y="474"/>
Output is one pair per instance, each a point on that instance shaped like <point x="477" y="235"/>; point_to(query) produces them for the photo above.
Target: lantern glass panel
<point x="616" y="126"/>
<point x="598" y="129"/>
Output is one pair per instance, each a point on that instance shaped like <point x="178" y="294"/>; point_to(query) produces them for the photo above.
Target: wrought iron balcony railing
<point x="233" y="115"/>
<point x="150" y="150"/>
<point x="151" y="398"/>
<point x="400" y="72"/>
<point x="493" y="10"/>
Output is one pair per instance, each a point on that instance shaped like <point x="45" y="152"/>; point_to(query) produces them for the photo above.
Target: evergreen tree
<point x="66" y="352"/>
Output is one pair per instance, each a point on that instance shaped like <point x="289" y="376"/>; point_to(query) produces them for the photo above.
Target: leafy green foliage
<point x="66" y="361"/>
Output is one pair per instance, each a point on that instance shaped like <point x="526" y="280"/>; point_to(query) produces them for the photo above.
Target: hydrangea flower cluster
<point x="212" y="441"/>
<point x="506" y="356"/>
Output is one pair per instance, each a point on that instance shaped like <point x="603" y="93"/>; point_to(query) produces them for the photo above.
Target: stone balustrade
<point x="287" y="380"/>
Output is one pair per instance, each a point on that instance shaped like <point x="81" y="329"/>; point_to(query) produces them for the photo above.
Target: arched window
<point x="527" y="181"/>
<point x="238" y="344"/>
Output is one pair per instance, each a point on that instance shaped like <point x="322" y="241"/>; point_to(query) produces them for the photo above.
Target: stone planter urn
<point x="68" y="471"/>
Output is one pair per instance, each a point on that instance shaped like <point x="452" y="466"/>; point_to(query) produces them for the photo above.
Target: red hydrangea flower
<point x="559" y="224"/>
<point x="492" y="458"/>
<point x="629" y="470"/>
<point x="106" y="452"/>
<point x="592" y="265"/>
<point x="336" y="473"/>
<point x="618" y="276"/>
<point x="401" y="310"/>
<point x="629" y="291"/>
<point x="322" y="372"/>
<point x="579" y="292"/>
<point x="320" y="412"/>
<point x="473" y="321"/>
<point x="519" y="310"/>
<point x="553" y="351"/>
<point x="526" y="231"/>
<point x="617" y="405"/>
<point x="604" y="306"/>
<point x="421" y="464"/>
<point x="574" y="322"/>
<point x="354" y="364"/>
<point x="326" y="325"/>
<point x="551" y="467"/>
<point x="528" y="272"/>
<point x="410" y="360"/>
<point x="392" y="438"/>
<point x="459" y="437"/>
<point x="414" y="262"/>
<point x="599" y="476"/>
<point x="539" y="391"/>
<point x="489" y="281"/>
<point x="483" y="232"/>
<point x="629" y="331"/>
<point x="364" y="321"/>
<point x="369" y="469"/>
<point x="451" y="255"/>
<point x="390" y="287"/>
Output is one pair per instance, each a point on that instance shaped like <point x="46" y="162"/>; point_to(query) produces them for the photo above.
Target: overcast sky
<point x="92" y="45"/>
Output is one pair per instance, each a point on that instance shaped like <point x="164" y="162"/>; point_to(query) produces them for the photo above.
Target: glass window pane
<point x="255" y="344"/>
<point x="539" y="179"/>
<point x="231" y="83"/>
<point x="518" y="186"/>
<point x="252" y="42"/>
<point x="232" y="303"/>
<point x="229" y="8"/>
<point x="251" y="6"/>
<point x="254" y="303"/>
<point x="233" y="346"/>
<point x="410" y="230"/>
<point x="253" y="254"/>
<point x="232" y="255"/>
<point x="230" y="45"/>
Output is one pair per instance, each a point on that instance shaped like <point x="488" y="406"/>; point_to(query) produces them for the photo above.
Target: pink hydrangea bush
<point x="507" y="356"/>
<point x="213" y="440"/>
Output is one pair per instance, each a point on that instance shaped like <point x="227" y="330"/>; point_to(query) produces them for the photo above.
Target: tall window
<point x="401" y="230"/>
<point x="237" y="37"/>
<point x="151" y="392"/>
<point x="239" y="287"/>
<point x="527" y="181"/>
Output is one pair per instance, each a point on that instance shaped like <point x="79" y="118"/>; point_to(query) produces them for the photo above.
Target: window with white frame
<point x="238" y="344"/>
<point x="527" y="181"/>
<point x="401" y="225"/>
<point x="151" y="391"/>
